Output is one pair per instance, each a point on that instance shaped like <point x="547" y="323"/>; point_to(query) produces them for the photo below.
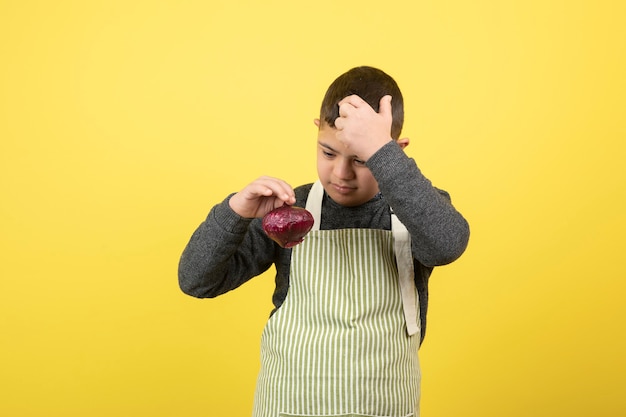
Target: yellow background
<point x="123" y="122"/>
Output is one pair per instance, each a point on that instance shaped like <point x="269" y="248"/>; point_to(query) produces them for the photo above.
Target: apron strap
<point x="406" y="273"/>
<point x="314" y="203"/>
<point x="402" y="250"/>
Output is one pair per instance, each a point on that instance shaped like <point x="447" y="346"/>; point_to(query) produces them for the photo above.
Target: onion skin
<point x="287" y="225"/>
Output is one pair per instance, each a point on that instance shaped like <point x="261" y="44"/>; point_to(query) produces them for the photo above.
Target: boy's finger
<point x="353" y="100"/>
<point x="276" y="187"/>
<point x="339" y="123"/>
<point x="344" y="109"/>
<point x="384" y="106"/>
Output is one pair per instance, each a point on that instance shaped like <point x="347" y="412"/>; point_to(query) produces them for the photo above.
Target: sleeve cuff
<point x="228" y="220"/>
<point x="388" y="161"/>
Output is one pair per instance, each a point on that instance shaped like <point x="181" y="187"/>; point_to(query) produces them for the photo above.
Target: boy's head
<point x="345" y="177"/>
<point x="371" y="84"/>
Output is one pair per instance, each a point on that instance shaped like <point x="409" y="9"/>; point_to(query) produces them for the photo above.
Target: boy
<point x="350" y="301"/>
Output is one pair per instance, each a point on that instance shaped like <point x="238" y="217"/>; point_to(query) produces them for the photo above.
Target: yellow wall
<point x="123" y="122"/>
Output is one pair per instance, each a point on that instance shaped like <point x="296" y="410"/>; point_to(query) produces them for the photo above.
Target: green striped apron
<point x="345" y="340"/>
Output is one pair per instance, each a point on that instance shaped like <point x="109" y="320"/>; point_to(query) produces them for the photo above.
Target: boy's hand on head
<point x="262" y="196"/>
<point x="360" y="128"/>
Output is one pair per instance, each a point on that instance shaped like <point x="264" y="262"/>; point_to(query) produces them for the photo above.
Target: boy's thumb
<point x="384" y="107"/>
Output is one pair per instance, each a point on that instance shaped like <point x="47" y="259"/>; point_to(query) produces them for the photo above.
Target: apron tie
<point x="406" y="274"/>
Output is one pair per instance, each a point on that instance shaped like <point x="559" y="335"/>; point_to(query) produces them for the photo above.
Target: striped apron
<point x="345" y="340"/>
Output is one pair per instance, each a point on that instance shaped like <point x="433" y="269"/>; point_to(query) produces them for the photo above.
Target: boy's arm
<point x="230" y="247"/>
<point x="439" y="232"/>
<point x="225" y="251"/>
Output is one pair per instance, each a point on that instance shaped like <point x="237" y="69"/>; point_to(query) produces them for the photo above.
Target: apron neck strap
<point x="314" y="203"/>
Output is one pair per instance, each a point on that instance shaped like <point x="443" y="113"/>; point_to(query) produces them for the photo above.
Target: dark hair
<point x="371" y="84"/>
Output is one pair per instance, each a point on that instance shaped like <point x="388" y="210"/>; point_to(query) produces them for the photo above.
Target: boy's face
<point x="345" y="178"/>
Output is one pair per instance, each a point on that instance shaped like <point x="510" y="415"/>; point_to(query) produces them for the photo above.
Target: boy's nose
<point x="343" y="169"/>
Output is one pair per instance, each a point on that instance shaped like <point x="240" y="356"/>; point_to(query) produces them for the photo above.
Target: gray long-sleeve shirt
<point x="227" y="250"/>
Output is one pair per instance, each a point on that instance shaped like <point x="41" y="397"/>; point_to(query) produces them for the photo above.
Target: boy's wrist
<point x="386" y="157"/>
<point x="374" y="148"/>
<point x="228" y="219"/>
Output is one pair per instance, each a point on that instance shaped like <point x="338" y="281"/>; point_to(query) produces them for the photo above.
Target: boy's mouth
<point x="343" y="189"/>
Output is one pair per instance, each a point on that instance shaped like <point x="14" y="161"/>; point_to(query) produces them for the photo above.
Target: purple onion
<point x="287" y="225"/>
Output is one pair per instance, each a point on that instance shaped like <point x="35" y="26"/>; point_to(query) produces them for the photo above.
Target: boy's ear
<point x="317" y="122"/>
<point x="403" y="142"/>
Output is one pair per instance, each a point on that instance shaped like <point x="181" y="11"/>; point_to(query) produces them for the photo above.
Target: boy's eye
<point x="328" y="154"/>
<point x="359" y="162"/>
